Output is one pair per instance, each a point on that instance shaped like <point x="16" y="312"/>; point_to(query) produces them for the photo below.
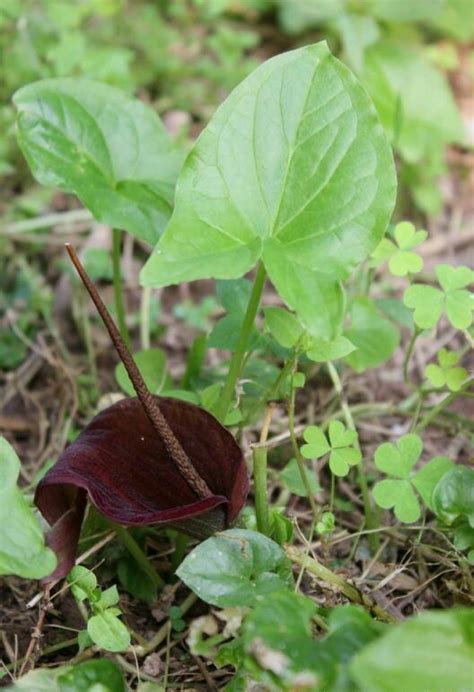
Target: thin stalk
<point x="149" y="403"/>
<point x="118" y="287"/>
<point x="296" y="449"/>
<point x="259" y="454"/>
<point x="408" y="353"/>
<point x="137" y="553"/>
<point x="145" y="318"/>
<point x="235" y="365"/>
<point x="260" y="480"/>
<point x="370" y="518"/>
<point x="336" y="581"/>
<point x="431" y="415"/>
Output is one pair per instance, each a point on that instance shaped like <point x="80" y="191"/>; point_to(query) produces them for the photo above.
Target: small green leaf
<point x="22" y="546"/>
<point x="375" y="338"/>
<point x="291" y="477"/>
<point x="426" y="479"/>
<point x="326" y="524"/>
<point x="407" y="237"/>
<point x="236" y="567"/>
<point x="401" y="259"/>
<point x="283" y="325"/>
<point x="339" y="436"/>
<point x="343" y="453"/>
<point x="427" y="302"/>
<point x="108" y="632"/>
<point x="398" y="460"/>
<point x="83" y="583"/>
<point x="111" y="150"/>
<point x="340" y="460"/>
<point x="152" y="365"/>
<point x="454" y="298"/>
<point x="317" y="444"/>
<point x="433" y="651"/>
<point x="446" y="373"/>
<point x="453" y="496"/>
<point x="108" y="598"/>
<point x="400" y="495"/>
<point x="325" y="351"/>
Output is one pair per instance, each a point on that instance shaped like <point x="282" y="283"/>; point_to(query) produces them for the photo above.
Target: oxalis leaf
<point x="293" y="168"/>
<point x="236" y="567"/>
<point x="398" y="491"/>
<point x="22" y="548"/>
<point x="111" y="150"/>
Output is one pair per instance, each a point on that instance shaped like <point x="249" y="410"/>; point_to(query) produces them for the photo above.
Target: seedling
<point x="104" y="627"/>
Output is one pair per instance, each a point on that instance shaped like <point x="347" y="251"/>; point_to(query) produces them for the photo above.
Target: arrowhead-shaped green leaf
<point x="294" y="167"/>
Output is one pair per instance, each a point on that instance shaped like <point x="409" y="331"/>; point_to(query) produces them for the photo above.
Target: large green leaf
<point x="418" y="112"/>
<point x="22" y="548"/>
<point x="236" y="567"/>
<point x="434" y="651"/>
<point x="293" y="168"/>
<point x="111" y="150"/>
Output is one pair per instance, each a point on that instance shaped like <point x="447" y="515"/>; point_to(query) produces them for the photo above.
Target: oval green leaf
<point x="236" y="568"/>
<point x="111" y="150"/>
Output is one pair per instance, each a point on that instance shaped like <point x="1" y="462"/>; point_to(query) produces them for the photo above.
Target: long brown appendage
<point x="147" y="400"/>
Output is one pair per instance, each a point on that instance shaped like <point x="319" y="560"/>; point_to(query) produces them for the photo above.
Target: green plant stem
<point x="336" y="581"/>
<point x="431" y="415"/>
<point x="370" y="518"/>
<point x="145" y="318"/>
<point x="296" y="450"/>
<point x="408" y="353"/>
<point x="236" y="361"/>
<point x="259" y="454"/>
<point x="118" y="287"/>
<point x="137" y="553"/>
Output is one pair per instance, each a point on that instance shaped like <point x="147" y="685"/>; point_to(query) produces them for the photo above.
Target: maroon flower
<point x="123" y="466"/>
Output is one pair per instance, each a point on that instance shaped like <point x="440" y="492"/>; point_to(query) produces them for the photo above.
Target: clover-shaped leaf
<point x="400" y="495"/>
<point x="341" y="444"/>
<point x="398" y="491"/>
<point x="447" y="372"/>
<point x="453" y="298"/>
<point x="400" y="256"/>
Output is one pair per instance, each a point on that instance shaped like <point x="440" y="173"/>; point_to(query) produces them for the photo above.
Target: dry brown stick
<point x="30" y="656"/>
<point x="148" y="402"/>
